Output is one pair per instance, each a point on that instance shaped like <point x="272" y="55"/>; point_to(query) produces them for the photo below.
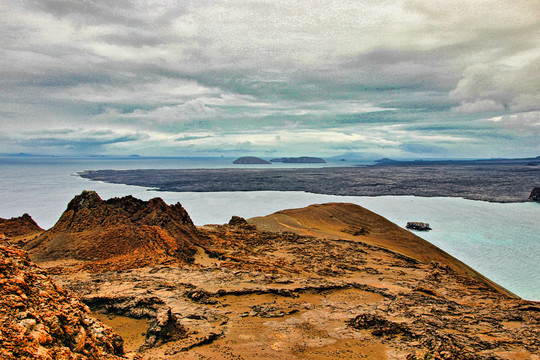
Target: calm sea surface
<point x="501" y="241"/>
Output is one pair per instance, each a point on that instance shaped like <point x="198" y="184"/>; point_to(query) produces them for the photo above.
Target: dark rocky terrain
<point x="535" y="194"/>
<point x="332" y="281"/>
<point x="299" y="160"/>
<point x="488" y="182"/>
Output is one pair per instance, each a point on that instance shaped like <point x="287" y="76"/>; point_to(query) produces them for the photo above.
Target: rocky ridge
<point x="18" y="226"/>
<point x="118" y="233"/>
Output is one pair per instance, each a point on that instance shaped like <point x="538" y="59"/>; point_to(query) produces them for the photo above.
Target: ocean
<point x="501" y="241"/>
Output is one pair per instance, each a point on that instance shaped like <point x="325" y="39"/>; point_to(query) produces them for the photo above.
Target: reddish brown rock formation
<point x="118" y="233"/>
<point x="39" y="320"/>
<point x="20" y="226"/>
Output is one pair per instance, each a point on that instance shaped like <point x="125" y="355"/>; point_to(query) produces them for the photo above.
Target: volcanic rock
<point x="240" y="222"/>
<point x="250" y="160"/>
<point x="118" y="233"/>
<point x="164" y="328"/>
<point x="535" y="194"/>
<point x="20" y="226"/>
<point x="39" y="320"/>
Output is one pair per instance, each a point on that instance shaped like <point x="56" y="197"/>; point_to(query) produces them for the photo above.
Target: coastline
<point x="496" y="239"/>
<point x="501" y="183"/>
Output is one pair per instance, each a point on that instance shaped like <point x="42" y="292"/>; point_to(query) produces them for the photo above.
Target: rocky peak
<point x="86" y="200"/>
<point x="19" y="226"/>
<point x="141" y="232"/>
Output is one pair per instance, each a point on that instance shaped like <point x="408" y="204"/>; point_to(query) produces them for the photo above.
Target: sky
<point x="399" y="79"/>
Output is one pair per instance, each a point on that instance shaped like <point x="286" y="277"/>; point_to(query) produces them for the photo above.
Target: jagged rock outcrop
<point x="39" y="320"/>
<point x="19" y="226"/>
<point x="164" y="328"/>
<point x="118" y="233"/>
<point x="240" y="222"/>
<point x="535" y="194"/>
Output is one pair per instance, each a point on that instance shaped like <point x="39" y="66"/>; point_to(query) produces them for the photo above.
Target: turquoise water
<point x="501" y="241"/>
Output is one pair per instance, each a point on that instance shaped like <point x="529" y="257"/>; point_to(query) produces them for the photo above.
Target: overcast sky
<point x="270" y="78"/>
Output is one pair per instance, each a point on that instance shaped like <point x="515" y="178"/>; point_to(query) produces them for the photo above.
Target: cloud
<point x="528" y="122"/>
<point x="171" y="68"/>
<point x="193" y="109"/>
<point x="478" y="106"/>
<point x="494" y="87"/>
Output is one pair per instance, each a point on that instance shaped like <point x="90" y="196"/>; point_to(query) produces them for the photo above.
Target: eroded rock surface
<point x="39" y="320"/>
<point x="19" y="226"/>
<point x="283" y="295"/>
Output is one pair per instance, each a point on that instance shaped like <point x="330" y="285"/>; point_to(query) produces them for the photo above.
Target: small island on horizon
<point x="253" y="160"/>
<point x="250" y="160"/>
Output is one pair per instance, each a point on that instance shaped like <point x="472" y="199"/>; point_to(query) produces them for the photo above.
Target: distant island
<point x="250" y="160"/>
<point x="503" y="180"/>
<point x="299" y="160"/>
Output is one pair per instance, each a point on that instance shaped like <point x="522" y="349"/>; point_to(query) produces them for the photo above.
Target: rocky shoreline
<point x="496" y="183"/>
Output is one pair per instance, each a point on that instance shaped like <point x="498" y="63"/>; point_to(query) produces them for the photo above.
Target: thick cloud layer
<point x="185" y="78"/>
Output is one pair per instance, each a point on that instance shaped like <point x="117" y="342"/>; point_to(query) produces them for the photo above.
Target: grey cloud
<point x="173" y="67"/>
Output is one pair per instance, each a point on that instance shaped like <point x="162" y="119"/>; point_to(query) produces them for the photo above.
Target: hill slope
<point x="353" y="222"/>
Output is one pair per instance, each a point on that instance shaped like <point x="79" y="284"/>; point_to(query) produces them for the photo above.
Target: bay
<point x="500" y="241"/>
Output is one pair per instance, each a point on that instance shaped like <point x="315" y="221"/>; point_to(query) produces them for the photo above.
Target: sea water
<point x="501" y="241"/>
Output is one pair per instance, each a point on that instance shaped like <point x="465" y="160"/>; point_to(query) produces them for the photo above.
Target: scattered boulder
<point x="240" y="222"/>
